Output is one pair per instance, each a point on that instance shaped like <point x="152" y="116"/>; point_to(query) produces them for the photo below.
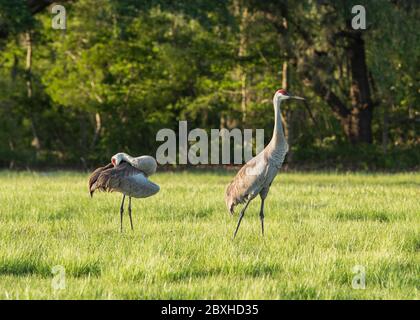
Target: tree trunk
<point x="36" y="6"/>
<point x="361" y="102"/>
<point x="28" y="68"/>
<point x="98" y="127"/>
<point x="241" y="11"/>
<point x="356" y="115"/>
<point x="385" y="129"/>
<point x="288" y="120"/>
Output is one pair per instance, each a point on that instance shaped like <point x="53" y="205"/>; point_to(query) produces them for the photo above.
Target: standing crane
<point x="128" y="176"/>
<point x="256" y="176"/>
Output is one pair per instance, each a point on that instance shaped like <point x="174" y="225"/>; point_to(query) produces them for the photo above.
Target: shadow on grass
<point x="412" y="243"/>
<point x="27" y="266"/>
<point x="380" y="216"/>
<point x="251" y="270"/>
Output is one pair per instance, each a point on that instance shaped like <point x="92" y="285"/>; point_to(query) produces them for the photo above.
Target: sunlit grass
<point x="318" y="227"/>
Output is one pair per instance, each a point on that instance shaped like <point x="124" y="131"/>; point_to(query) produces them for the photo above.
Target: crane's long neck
<point x="278" y="142"/>
<point x="128" y="158"/>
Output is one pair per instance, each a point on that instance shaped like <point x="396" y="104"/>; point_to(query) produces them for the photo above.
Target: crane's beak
<point x="297" y="98"/>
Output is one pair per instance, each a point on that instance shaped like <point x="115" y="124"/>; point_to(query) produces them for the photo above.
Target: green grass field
<point x="318" y="227"/>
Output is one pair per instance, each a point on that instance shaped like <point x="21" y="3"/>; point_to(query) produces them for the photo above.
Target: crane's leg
<point x="121" y="212"/>
<point x="241" y="216"/>
<point x="129" y="212"/>
<point x="262" y="215"/>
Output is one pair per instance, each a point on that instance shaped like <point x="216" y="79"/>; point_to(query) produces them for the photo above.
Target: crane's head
<point x="282" y="94"/>
<point x="116" y="159"/>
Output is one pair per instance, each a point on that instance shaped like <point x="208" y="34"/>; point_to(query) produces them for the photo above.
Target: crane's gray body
<point x="256" y="176"/>
<point x="126" y="178"/>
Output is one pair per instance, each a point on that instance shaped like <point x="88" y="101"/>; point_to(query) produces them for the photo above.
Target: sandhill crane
<point x="127" y="175"/>
<point x="256" y="176"/>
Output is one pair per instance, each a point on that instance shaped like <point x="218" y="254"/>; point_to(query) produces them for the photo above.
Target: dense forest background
<point x="122" y="70"/>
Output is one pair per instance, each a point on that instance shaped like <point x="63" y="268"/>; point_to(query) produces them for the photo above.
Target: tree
<point x="125" y="69"/>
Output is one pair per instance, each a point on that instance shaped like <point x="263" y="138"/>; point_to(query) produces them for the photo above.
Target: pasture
<point x="318" y="227"/>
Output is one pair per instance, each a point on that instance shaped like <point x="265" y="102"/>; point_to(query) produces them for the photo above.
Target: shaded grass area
<point x="318" y="227"/>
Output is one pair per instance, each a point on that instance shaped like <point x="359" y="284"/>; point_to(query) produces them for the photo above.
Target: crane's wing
<point x="147" y="164"/>
<point x="137" y="186"/>
<point x="248" y="182"/>
<point x="93" y="178"/>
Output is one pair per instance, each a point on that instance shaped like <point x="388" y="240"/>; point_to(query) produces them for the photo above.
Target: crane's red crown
<point x="283" y="92"/>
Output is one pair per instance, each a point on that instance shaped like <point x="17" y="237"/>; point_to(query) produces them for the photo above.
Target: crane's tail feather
<point x="230" y="198"/>
<point x="93" y="178"/>
<point x="232" y="209"/>
<point x="230" y="205"/>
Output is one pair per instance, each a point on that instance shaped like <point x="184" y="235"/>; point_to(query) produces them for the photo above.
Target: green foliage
<point x="343" y="157"/>
<point x="125" y="69"/>
<point x="14" y="18"/>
